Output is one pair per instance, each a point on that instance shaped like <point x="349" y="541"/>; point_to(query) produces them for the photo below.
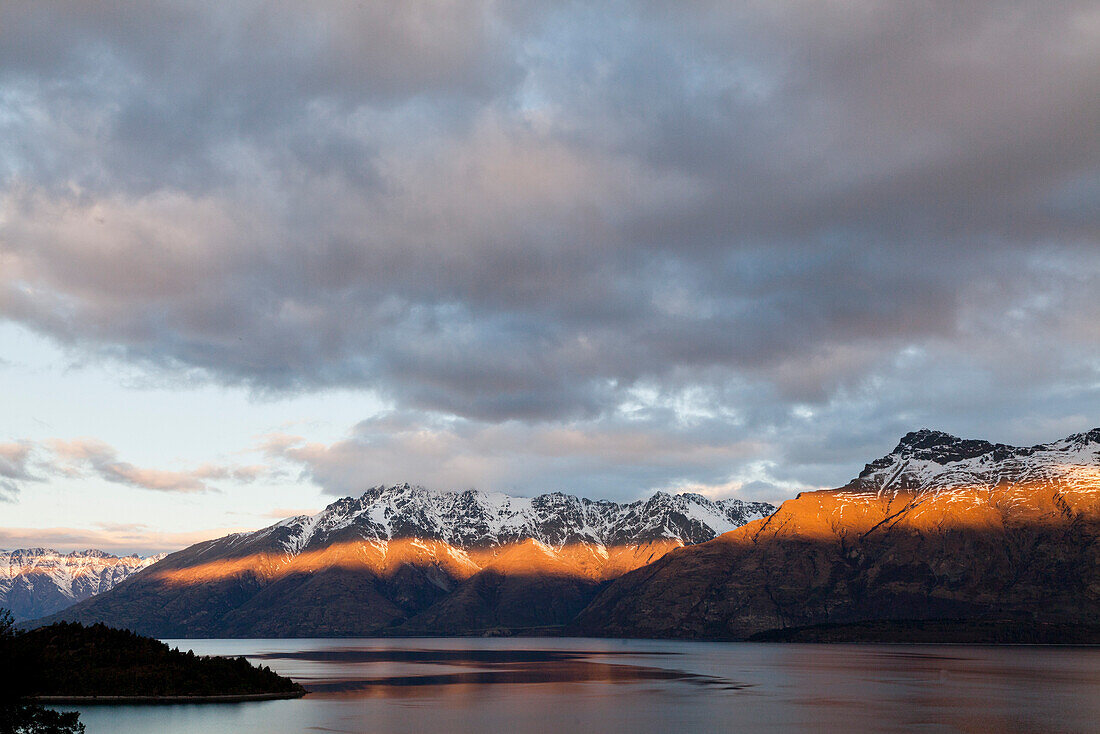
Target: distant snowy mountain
<point x="408" y="560"/>
<point x="39" y="581"/>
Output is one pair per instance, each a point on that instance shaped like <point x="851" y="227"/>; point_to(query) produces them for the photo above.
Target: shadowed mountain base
<point x="409" y="587"/>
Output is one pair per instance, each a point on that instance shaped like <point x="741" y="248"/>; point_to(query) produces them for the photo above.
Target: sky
<point x="257" y="256"/>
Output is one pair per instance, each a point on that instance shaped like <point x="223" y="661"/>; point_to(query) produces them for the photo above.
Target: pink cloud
<point x="82" y="457"/>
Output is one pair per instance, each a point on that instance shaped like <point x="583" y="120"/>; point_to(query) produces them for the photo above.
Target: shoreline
<point x="227" y="698"/>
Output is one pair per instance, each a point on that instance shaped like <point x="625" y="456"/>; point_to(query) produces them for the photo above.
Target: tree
<point x="16" y="715"/>
<point x="7" y="625"/>
<point x="9" y="688"/>
<point x="25" y="718"/>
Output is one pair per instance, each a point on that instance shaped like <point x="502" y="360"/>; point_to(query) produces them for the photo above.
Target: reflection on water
<point x="538" y="685"/>
<point x="481" y="667"/>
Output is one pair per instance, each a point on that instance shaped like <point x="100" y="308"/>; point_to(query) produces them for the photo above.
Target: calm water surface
<point x="568" y="685"/>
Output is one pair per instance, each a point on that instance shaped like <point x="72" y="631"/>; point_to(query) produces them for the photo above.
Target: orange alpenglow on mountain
<point x="941" y="528"/>
<point x="387" y="558"/>
<point x="404" y="560"/>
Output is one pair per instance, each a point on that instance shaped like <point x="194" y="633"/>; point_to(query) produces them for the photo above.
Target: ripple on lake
<point x="562" y="685"/>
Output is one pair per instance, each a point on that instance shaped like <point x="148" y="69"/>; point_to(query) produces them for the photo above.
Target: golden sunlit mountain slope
<point x="404" y="560"/>
<point x="939" y="529"/>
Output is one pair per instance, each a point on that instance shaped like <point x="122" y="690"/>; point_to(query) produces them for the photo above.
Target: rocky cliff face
<point x="939" y="528"/>
<point x="39" y="581"/>
<point x="404" y="560"/>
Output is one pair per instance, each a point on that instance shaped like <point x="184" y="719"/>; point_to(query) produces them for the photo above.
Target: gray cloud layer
<point x="817" y="223"/>
<point x="605" y="458"/>
<point x="15" y="458"/>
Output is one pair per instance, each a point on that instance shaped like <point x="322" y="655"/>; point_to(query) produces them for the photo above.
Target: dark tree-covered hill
<point x="71" y="660"/>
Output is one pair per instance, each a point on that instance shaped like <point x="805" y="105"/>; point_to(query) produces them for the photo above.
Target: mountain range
<point x="408" y="560"/>
<point x="945" y="530"/>
<point x="35" y="582"/>
<point x="940" y="529"/>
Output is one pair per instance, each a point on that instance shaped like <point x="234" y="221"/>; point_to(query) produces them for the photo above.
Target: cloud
<point x="281" y="513"/>
<point x="101" y="459"/>
<point x="627" y="460"/>
<point x="26" y="461"/>
<point x="15" y="459"/>
<point x="117" y="539"/>
<point x="519" y="218"/>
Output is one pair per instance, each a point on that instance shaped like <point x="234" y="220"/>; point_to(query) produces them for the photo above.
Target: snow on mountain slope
<point x="940" y="528"/>
<point x="39" y="581"/>
<point x="939" y="463"/>
<point x="407" y="560"/>
<point x="473" y="519"/>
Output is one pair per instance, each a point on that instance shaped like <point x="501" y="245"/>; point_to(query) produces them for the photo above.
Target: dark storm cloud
<point x="818" y="215"/>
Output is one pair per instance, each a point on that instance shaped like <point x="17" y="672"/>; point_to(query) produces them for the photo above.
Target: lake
<point x="568" y="685"/>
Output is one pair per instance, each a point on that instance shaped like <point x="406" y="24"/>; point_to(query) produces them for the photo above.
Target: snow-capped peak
<point x="472" y="518"/>
<point x="936" y="461"/>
